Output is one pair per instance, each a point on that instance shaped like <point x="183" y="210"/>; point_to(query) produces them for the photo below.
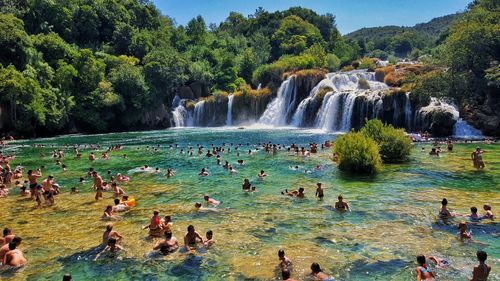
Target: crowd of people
<point x="161" y="228"/>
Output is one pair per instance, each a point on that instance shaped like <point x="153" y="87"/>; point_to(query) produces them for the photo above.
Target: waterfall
<point x="229" y="119"/>
<point x="347" y="112"/>
<point x="328" y="115"/>
<point x="199" y="109"/>
<point x="277" y="111"/>
<point x="463" y="130"/>
<point x="182" y="117"/>
<point x="176" y="101"/>
<point x="408" y="113"/>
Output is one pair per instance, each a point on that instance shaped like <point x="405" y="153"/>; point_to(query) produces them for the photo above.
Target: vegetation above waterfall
<point x="98" y="66"/>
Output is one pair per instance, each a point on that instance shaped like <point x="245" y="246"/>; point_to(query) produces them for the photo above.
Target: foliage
<point x="394" y="145"/>
<point x="357" y="153"/>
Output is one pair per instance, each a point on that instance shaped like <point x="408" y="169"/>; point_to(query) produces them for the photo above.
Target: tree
<point x="294" y="35"/>
<point x="196" y="30"/>
<point x="14" y="42"/>
<point x="247" y="65"/>
<point x="86" y="25"/>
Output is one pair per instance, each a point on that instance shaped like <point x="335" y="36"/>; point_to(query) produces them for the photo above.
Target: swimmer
<point x="285" y="263"/>
<point x="120" y="207"/>
<point x="111" y="248"/>
<point x="482" y="271"/>
<point x="203" y="173"/>
<point x="210" y="241"/>
<point x="295" y="193"/>
<point x="473" y="214"/>
<point x="32" y="178"/>
<point x="241" y="162"/>
<point x="434" y="152"/>
<point x="169" y="173"/>
<point x="197" y="205"/>
<point x="317" y="168"/>
<point x="444" y="213"/>
<point x="67" y="277"/>
<point x="463" y="234"/>
<point x="14" y="257"/>
<point x="92" y="156"/>
<point x="341" y="205"/>
<point x="423" y="271"/>
<point x="74" y="190"/>
<point x="110" y="233"/>
<point x="317" y="273"/>
<point x="319" y="191"/>
<point x="489" y="212"/>
<point x="262" y="174"/>
<point x="211" y="201"/>
<point x="285" y="275"/>
<point x="157" y="170"/>
<point x="232" y="170"/>
<point x="117" y="191"/>
<point x="4" y="248"/>
<point x="190" y="238"/>
<point x="246" y="185"/>
<point x="108" y="213"/>
<point x="169" y="245"/>
<point x="167" y="223"/>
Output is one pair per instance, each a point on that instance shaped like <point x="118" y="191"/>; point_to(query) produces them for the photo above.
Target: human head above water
<point x="481" y="256"/>
<point x="421" y="259"/>
<point x="444" y="202"/>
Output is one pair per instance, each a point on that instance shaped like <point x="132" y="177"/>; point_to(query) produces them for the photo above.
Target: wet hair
<point x="6" y="231"/>
<point x="444" y="202"/>
<point x="487" y="207"/>
<point x="315" y="267"/>
<point x="190" y="227"/>
<point x="156" y="212"/>
<point x="210" y="233"/>
<point x="112" y="241"/>
<point x="197" y="205"/>
<point x="481" y="256"/>
<point x="473" y="210"/>
<point x="12" y="246"/>
<point x="30" y="172"/>
<point x="281" y="253"/>
<point x="340" y="197"/>
<point x="301" y="189"/>
<point x="421" y="259"/>
<point x="168" y="217"/>
<point x="117" y="201"/>
<point x="109" y="207"/>
<point x="285" y="274"/>
<point x="67" y="277"/>
<point x="109" y="227"/>
<point x="462" y="224"/>
<point x="168" y="234"/>
<point x="113" y="184"/>
<point x="17" y="240"/>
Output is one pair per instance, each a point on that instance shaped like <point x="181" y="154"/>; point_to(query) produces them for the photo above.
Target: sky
<point x="350" y="14"/>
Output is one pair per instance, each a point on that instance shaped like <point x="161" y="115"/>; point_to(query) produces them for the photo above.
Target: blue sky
<point x="350" y="14"/>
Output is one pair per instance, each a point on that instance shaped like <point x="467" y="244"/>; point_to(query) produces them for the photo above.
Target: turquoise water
<point x="393" y="218"/>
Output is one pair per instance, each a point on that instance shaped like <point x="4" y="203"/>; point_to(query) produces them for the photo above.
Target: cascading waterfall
<point x="277" y="111"/>
<point x="182" y="117"/>
<point x="229" y="119"/>
<point x="463" y="130"/>
<point x="199" y="109"/>
<point x="339" y="102"/>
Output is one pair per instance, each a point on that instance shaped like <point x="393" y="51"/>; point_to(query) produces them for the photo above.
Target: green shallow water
<point x="393" y="218"/>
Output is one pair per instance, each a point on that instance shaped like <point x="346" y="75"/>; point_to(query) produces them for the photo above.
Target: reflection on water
<point x="393" y="217"/>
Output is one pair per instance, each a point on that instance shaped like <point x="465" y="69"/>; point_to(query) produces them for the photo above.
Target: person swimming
<point x="463" y="234"/>
<point x="295" y="193"/>
<point x="167" y="246"/>
<point x="341" y="205"/>
<point x="246" y="185"/>
<point x="317" y="272"/>
<point x="210" y="241"/>
<point x="211" y="201"/>
<point x="190" y="238"/>
<point x="262" y="174"/>
<point x="443" y="212"/>
<point x="203" y="173"/>
<point x="111" y="249"/>
<point x="473" y="214"/>
<point x="285" y="262"/>
<point x="489" y="212"/>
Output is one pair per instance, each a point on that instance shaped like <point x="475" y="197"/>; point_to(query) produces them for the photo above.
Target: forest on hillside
<point x="113" y="65"/>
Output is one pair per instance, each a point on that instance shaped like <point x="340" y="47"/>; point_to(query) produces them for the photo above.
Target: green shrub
<point x="357" y="153"/>
<point x="273" y="72"/>
<point x="367" y="63"/>
<point x="394" y="145"/>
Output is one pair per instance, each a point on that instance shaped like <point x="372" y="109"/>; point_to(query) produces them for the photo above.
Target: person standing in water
<point x="97" y="185"/>
<point x="190" y="238"/>
<point x="317" y="273"/>
<point x="341" y="205"/>
<point x="169" y="245"/>
<point x="477" y="158"/>
<point x="482" y="271"/>
<point x="423" y="271"/>
<point x="319" y="191"/>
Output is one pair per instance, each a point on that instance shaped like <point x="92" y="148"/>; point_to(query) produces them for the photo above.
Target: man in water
<point x="120" y="207"/>
<point x="285" y="263"/>
<point x="97" y="185"/>
<point x="8" y="235"/>
<point x="111" y="248"/>
<point x="110" y="233"/>
<point x="203" y="173"/>
<point x="210" y="241"/>
<point x="190" y="238"/>
<point x="477" y="158"/>
<point x="319" y="191"/>
<point x="169" y="245"/>
<point x="14" y="257"/>
<point x="32" y="177"/>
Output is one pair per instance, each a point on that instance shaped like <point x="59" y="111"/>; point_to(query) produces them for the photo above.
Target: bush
<point x="273" y="72"/>
<point x="357" y="153"/>
<point x="367" y="63"/>
<point x="394" y="145"/>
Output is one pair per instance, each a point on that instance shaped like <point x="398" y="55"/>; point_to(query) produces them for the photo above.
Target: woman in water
<point x="424" y="273"/>
<point x="108" y="213"/>
<point x="443" y="212"/>
<point x="317" y="273"/>
<point x="246" y="185"/>
<point x="489" y="212"/>
<point x="341" y="205"/>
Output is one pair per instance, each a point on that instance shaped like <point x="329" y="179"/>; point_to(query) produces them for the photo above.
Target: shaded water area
<point x="393" y="218"/>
